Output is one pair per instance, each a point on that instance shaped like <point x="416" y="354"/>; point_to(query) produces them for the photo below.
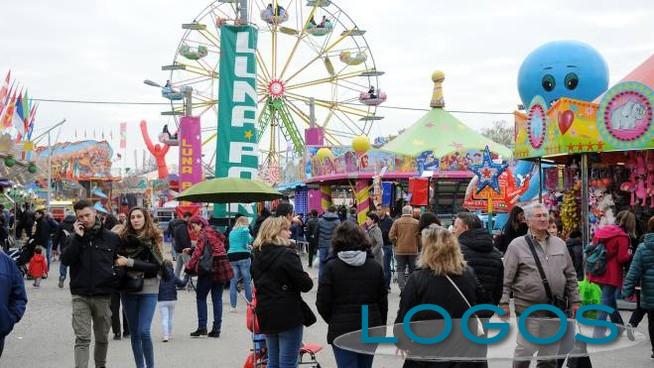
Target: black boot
<point x="214" y="333"/>
<point x="199" y="332"/>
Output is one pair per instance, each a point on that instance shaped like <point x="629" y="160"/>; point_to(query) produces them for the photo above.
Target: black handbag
<point x="128" y="281"/>
<point x="559" y="302"/>
<point x="308" y="316"/>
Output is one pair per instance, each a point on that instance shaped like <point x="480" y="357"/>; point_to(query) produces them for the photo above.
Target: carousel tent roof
<point x="644" y="73"/>
<point x="441" y="132"/>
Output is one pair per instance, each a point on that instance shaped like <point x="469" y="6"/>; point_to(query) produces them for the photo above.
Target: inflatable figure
<point x="563" y="69"/>
<point x="156" y="150"/>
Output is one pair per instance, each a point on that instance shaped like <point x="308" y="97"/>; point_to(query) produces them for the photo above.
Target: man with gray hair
<point x="404" y="235"/>
<point x="538" y="270"/>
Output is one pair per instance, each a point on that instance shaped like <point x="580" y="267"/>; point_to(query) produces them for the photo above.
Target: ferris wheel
<point x="314" y="68"/>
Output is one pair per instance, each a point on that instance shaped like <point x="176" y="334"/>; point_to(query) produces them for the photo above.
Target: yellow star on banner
<point x="248" y="134"/>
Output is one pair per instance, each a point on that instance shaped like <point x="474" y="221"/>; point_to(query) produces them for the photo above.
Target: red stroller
<point x="258" y="357"/>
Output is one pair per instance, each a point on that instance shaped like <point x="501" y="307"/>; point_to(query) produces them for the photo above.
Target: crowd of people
<point x="121" y="261"/>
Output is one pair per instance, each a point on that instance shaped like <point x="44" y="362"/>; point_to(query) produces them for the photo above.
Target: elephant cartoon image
<point x="626" y="116"/>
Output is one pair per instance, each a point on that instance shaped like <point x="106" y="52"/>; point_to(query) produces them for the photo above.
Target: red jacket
<point x="37" y="266"/>
<point x="618" y="254"/>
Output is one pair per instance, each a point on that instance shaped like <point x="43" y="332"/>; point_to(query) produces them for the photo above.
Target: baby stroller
<point x="258" y="356"/>
<point x="21" y="256"/>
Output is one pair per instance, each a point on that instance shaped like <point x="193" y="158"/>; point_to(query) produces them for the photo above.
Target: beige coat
<point x="404" y="235"/>
<point x="522" y="277"/>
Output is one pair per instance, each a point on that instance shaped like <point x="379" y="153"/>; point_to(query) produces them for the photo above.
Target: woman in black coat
<point x="516" y="226"/>
<point x="352" y="278"/>
<point x="441" y="263"/>
<point x="279" y="281"/>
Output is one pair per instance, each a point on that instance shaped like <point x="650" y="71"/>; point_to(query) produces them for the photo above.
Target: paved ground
<point x="44" y="338"/>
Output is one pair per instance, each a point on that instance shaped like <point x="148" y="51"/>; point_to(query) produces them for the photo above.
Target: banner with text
<point x="237" y="149"/>
<point x="190" y="158"/>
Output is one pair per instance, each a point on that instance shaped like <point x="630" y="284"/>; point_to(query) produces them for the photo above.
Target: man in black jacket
<point x="181" y="240"/>
<point x="61" y="241"/>
<point x="310" y="231"/>
<point x="480" y="254"/>
<point x="90" y="255"/>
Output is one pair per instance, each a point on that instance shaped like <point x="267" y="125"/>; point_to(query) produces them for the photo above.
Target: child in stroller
<point x="258" y="356"/>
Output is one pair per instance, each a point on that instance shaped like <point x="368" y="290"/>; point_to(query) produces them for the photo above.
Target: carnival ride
<point x="307" y="74"/>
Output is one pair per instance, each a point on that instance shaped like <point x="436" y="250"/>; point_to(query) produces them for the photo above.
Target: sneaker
<point x="630" y="332"/>
<point x="214" y="333"/>
<point x="165" y="339"/>
<point x="117" y="336"/>
<point x="232" y="309"/>
<point x="199" y="332"/>
<point x="61" y="283"/>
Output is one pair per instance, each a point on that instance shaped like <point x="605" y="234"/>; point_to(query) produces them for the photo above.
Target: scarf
<point x="135" y="245"/>
<point x="95" y="229"/>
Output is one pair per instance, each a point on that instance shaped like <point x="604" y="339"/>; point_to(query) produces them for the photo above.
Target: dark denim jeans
<point x="204" y="286"/>
<point x="388" y="257"/>
<point x="284" y="348"/>
<point x="139" y="309"/>
<point x="350" y="359"/>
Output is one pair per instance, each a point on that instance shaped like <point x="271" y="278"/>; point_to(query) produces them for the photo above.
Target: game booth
<point x="600" y="147"/>
<point x="427" y="165"/>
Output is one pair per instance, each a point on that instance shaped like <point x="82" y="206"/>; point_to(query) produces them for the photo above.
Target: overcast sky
<point x="103" y="50"/>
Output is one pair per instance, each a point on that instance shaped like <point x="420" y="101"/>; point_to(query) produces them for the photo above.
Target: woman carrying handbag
<point x="140" y="259"/>
<point x="209" y="261"/>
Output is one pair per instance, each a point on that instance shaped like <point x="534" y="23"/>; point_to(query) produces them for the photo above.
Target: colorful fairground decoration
<point x="621" y="121"/>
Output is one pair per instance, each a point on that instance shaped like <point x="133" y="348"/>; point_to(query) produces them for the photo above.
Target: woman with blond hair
<point x="443" y="279"/>
<point x="279" y="280"/>
<point x="239" y="256"/>
<point x="141" y="254"/>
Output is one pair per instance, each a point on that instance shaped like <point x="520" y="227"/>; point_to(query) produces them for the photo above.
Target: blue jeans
<point x="63" y="270"/>
<point x="323" y="252"/>
<point x="350" y="359"/>
<point x="48" y="253"/>
<point x="139" y="309"/>
<point x="284" y="348"/>
<point x="204" y="286"/>
<point x="609" y="298"/>
<point x="388" y="257"/>
<point x="241" y="270"/>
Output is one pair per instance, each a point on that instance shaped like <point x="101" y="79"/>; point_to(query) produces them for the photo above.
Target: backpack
<point x="595" y="259"/>
<point x="205" y="264"/>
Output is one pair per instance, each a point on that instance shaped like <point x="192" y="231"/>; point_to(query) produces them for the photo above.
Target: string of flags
<point x="17" y="114"/>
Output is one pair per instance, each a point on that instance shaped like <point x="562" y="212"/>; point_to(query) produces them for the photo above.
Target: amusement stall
<point x="598" y="141"/>
<point x="426" y="166"/>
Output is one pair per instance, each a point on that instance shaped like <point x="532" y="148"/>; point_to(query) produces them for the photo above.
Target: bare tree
<point x="500" y="132"/>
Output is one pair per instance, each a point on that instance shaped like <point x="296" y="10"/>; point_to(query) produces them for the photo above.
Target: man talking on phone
<point x="90" y="255"/>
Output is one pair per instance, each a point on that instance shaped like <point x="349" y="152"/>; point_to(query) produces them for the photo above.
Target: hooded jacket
<point x="350" y="280"/>
<point x="278" y="280"/>
<point x="642" y="271"/>
<point x="326" y="225"/>
<point x="616" y="242"/>
<point x="480" y="254"/>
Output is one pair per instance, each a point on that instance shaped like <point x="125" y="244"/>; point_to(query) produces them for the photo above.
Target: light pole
<point x="50" y="159"/>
